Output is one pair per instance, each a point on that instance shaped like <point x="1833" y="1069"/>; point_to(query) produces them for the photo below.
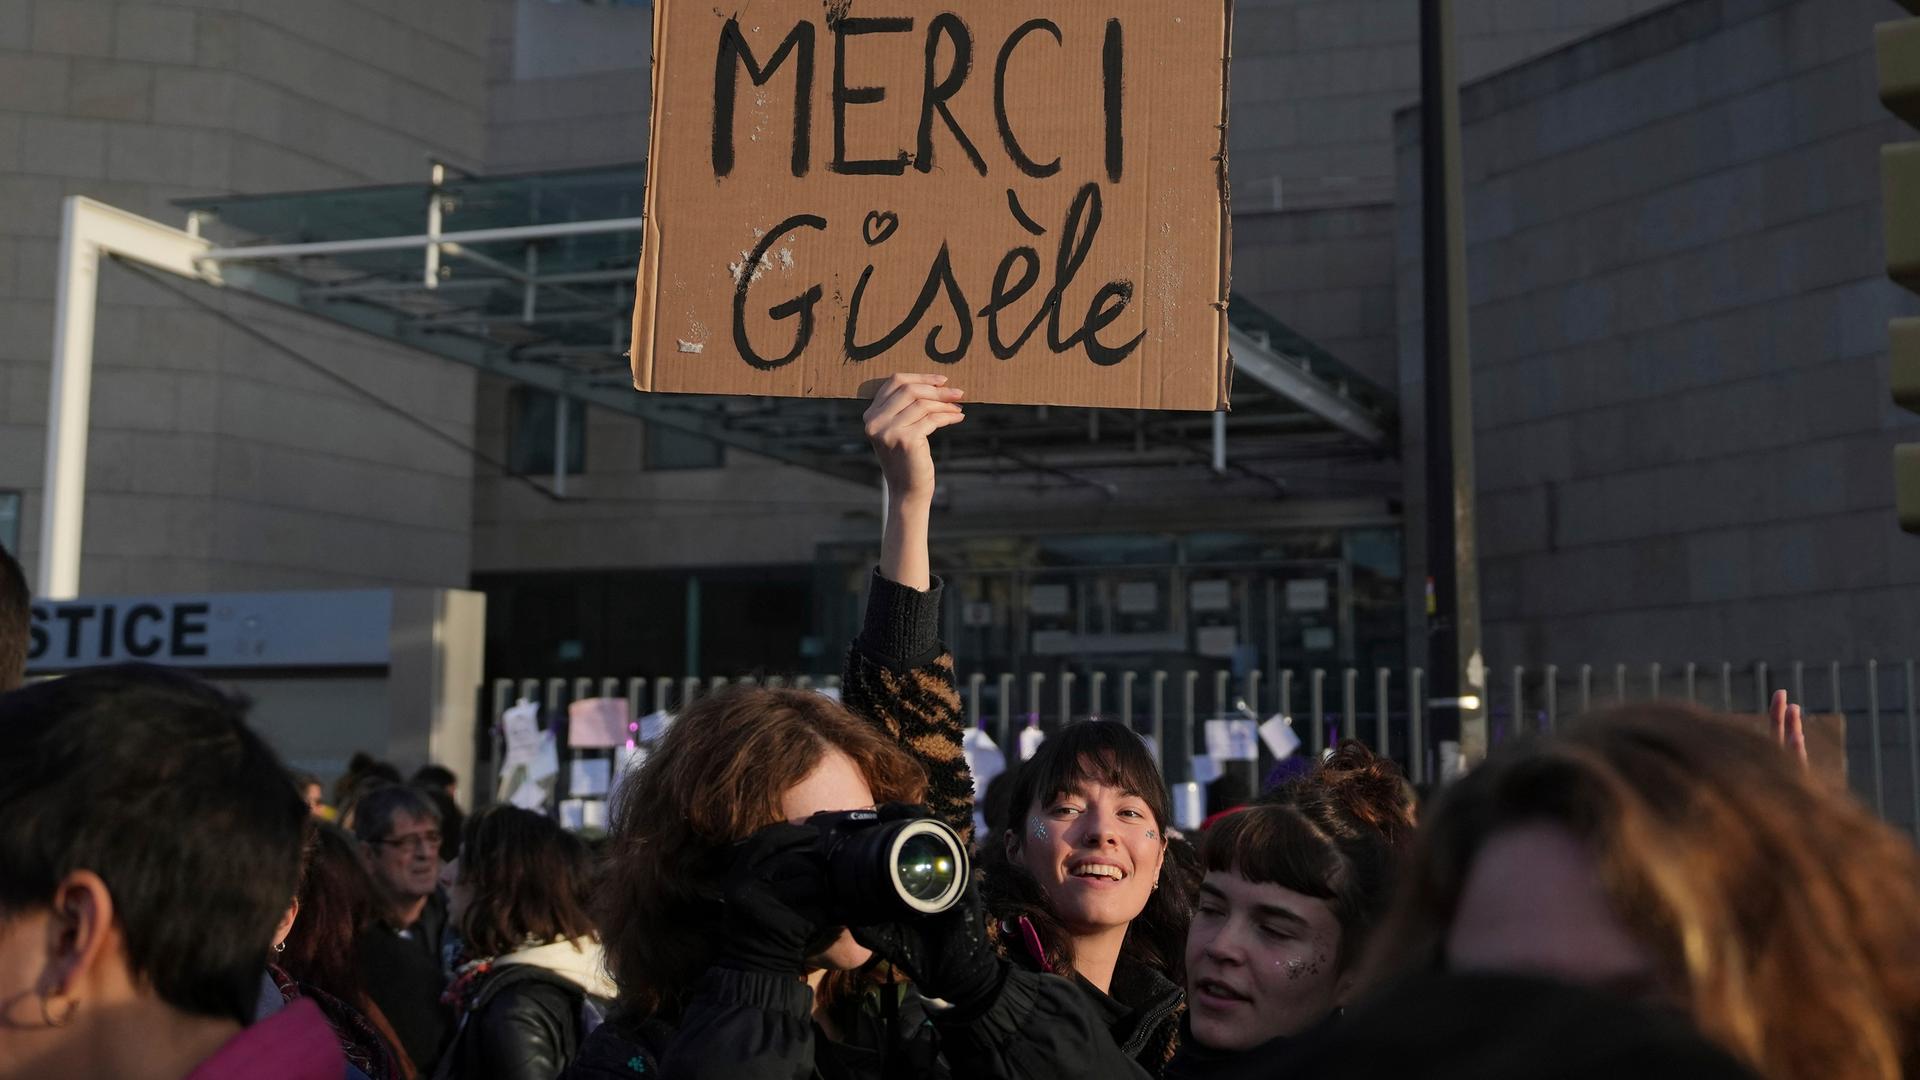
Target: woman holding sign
<point x="1076" y="886"/>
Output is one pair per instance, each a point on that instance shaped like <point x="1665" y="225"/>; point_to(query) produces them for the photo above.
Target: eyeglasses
<point x="429" y="841"/>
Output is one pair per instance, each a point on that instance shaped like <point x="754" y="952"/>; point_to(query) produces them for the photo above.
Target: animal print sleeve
<point x="901" y="678"/>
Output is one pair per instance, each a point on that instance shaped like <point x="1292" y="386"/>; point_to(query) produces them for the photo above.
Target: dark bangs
<point x="1274" y="845"/>
<point x="1093" y="752"/>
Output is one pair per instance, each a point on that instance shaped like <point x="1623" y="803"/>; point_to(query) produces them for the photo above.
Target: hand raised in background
<point x="1788" y="731"/>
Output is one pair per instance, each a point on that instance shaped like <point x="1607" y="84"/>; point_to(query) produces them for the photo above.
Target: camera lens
<point x="926" y="866"/>
<point x="884" y="870"/>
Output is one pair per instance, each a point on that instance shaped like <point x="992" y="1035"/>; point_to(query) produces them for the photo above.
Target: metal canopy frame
<point x="536" y="286"/>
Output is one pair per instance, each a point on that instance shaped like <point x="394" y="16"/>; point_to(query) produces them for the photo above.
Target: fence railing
<point x="1382" y="707"/>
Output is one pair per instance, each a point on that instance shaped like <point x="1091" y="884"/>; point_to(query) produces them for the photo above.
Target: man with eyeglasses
<point x="400" y="954"/>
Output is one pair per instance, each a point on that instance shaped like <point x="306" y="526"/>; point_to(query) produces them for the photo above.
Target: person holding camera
<point x="764" y="823"/>
<point x="1078" y="885"/>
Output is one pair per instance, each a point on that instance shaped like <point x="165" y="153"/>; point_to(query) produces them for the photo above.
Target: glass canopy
<point x="535" y="283"/>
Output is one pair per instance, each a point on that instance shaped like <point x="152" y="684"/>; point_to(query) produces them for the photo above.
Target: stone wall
<point x="567" y="85"/>
<point x="216" y="462"/>
<point x="569" y="89"/>
<point x="1315" y="87"/>
<point x="1679" y="343"/>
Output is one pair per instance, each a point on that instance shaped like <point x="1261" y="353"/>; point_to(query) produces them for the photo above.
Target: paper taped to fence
<point x="597" y="722"/>
<point x="1233" y="740"/>
<point x="1277" y="732"/>
<point x="1031" y="199"/>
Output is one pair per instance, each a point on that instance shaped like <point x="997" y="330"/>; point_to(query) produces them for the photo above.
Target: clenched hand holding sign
<point x="1030" y="197"/>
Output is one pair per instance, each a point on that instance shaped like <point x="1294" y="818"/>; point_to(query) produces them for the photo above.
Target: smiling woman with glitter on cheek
<point x="1078" y="885"/>
<point x="1096" y="852"/>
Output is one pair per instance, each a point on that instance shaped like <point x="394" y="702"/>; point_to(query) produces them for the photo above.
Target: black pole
<point x="1457" y="707"/>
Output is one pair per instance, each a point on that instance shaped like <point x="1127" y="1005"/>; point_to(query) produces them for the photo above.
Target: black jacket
<point x="524" y="1023"/>
<point x="403" y="975"/>
<point x="754" y="1026"/>
<point x="746" y="1026"/>
<point x="1142" y="1013"/>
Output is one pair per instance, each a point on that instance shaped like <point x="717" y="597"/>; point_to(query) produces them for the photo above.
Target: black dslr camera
<point x="884" y="870"/>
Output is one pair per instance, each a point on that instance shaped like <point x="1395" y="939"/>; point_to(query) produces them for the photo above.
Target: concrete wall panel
<point x="1679" y="318"/>
<point x="215" y="461"/>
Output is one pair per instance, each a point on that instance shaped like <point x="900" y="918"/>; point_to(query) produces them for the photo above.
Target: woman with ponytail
<point x="1295" y="885"/>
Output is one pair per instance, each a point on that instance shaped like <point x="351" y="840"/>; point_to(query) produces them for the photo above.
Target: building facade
<point x="215" y="462"/>
<point x="1678" y="333"/>
<point x="1314" y="90"/>
<point x="1679" y="324"/>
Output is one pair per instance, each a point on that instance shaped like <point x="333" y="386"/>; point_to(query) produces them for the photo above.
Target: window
<point x="10" y="522"/>
<point x="530" y="430"/>
<point x="668" y="448"/>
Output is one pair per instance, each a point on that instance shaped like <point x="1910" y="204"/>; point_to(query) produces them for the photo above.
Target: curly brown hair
<point x="716" y="778"/>
<point x="1784" y="916"/>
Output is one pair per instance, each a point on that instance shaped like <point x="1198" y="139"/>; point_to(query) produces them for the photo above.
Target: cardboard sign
<point x="1029" y="199"/>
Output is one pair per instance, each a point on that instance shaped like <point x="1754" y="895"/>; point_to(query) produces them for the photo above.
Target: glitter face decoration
<point x="1260" y="962"/>
<point x="1095" y="861"/>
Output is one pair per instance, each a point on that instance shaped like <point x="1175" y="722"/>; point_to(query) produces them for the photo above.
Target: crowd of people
<point x="1654" y="891"/>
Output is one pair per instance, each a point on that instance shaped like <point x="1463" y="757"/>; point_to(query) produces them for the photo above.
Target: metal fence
<point x="1383" y="707"/>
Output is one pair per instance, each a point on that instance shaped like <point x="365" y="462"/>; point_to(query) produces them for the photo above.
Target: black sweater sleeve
<point x="902" y="626"/>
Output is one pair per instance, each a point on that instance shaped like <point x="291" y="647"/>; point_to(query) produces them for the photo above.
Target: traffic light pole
<point x="1897" y="57"/>
<point x="1457" y="707"/>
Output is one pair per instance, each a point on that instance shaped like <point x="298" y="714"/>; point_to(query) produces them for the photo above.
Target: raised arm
<point x="898" y="674"/>
<point x="905" y="413"/>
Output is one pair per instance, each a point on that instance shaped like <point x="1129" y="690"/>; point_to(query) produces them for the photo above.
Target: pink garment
<point x="1031" y="938"/>
<point x="292" y="1044"/>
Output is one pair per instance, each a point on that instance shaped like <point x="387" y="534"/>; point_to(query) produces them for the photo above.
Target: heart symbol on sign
<point x="880" y="225"/>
